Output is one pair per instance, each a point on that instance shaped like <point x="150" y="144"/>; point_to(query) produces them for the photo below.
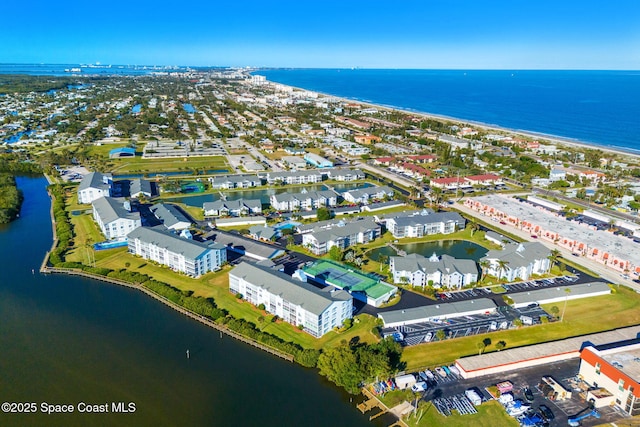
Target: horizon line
<point x="349" y="68"/>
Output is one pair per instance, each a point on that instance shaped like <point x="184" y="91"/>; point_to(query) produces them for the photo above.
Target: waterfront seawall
<point x="204" y="320"/>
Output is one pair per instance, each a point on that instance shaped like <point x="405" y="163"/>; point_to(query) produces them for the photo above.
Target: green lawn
<point x="216" y="286"/>
<point x="583" y="316"/>
<point x="140" y="165"/>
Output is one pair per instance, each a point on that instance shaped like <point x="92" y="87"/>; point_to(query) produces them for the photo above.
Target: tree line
<point x="10" y="198"/>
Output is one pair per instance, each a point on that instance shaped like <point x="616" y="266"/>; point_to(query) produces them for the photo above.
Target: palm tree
<point x="382" y="259"/>
<point x="474" y="227"/>
<point x="484" y="265"/>
<point x="502" y="267"/>
<point x="567" y="291"/>
<point x="553" y="258"/>
<point x="88" y="244"/>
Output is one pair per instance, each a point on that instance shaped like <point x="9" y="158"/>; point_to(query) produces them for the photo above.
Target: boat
<point x="423" y="376"/>
<point x="441" y="372"/>
<point x="429" y="374"/>
<point x="454" y="370"/>
<point x="517" y="408"/>
<point x="73" y="70"/>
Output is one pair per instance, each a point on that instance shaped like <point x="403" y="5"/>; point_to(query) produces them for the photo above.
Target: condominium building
<point x="303" y="201"/>
<point x="446" y="271"/>
<point x="93" y="186"/>
<point x="296" y="302"/>
<point x="423" y="223"/>
<point x="341" y="234"/>
<point x="113" y="217"/>
<point x="518" y="261"/>
<point x="182" y="255"/>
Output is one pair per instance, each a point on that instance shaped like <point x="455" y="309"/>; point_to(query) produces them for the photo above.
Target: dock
<point x="398" y="250"/>
<point x="371" y="402"/>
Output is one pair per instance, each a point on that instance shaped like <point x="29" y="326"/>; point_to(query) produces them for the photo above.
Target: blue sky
<point x="516" y="34"/>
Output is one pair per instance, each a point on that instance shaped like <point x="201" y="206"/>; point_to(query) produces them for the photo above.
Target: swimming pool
<point x="110" y="245"/>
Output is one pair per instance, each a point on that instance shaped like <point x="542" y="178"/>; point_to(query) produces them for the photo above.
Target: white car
<point x="419" y="387"/>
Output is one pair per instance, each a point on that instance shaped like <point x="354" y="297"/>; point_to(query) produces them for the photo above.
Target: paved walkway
<point x="596" y="267"/>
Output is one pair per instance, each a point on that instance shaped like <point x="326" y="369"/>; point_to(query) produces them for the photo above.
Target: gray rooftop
<point x="446" y="264"/>
<point x="297" y="292"/>
<point x="448" y="310"/>
<point x="405" y="221"/>
<point x="315" y="195"/>
<point x="262" y="232"/>
<point x="139" y="186"/>
<point x="232" y="204"/>
<point x="346" y="172"/>
<point x="369" y="191"/>
<point x="498" y="237"/>
<point x="285" y="174"/>
<point x="93" y="180"/>
<point x="110" y="209"/>
<point x="235" y="179"/>
<point x="551" y="293"/>
<point x="519" y="254"/>
<point x="250" y="246"/>
<point x="189" y="248"/>
<point x="168" y="214"/>
<point x="344" y="230"/>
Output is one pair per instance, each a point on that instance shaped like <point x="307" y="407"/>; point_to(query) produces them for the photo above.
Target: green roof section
<point x="348" y="278"/>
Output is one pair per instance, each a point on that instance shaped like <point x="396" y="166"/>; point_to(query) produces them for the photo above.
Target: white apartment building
<point x="93" y="186"/>
<point x="113" y="218"/>
<point x="294" y="301"/>
<point x="182" y="255"/>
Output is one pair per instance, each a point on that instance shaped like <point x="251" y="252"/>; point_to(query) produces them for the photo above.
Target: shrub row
<point x="306" y="357"/>
<point x="64" y="230"/>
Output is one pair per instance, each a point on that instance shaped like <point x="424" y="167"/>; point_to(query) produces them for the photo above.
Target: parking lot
<point x="443" y="395"/>
<point x="466" y="325"/>
<point x="542" y="283"/>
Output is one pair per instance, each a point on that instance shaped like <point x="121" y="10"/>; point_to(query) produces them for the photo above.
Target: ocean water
<point x="596" y="107"/>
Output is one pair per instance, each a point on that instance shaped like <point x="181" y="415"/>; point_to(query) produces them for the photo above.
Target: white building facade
<point x="295" y="302"/>
<point x="182" y="255"/>
<point x="114" y="220"/>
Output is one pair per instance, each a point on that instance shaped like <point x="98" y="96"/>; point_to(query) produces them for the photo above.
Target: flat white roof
<point x="507" y="357"/>
<point x="436" y="311"/>
<point x="621" y="247"/>
<point x="549" y="294"/>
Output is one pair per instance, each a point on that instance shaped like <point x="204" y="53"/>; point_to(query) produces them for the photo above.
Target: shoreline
<point x="554" y="139"/>
<point x="46" y="269"/>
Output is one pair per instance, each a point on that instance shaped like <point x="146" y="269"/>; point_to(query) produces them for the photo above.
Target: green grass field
<point x="140" y="165"/>
<point x="583" y="316"/>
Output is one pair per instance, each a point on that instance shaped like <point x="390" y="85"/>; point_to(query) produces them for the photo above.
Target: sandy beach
<point x="540" y="137"/>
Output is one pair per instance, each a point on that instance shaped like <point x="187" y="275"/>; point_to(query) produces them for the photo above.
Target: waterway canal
<point x="455" y="248"/>
<point x="66" y="340"/>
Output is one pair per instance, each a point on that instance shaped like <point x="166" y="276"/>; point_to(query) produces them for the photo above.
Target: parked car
<point x="419" y="386"/>
<point x="546" y="413"/>
<point x="528" y="394"/>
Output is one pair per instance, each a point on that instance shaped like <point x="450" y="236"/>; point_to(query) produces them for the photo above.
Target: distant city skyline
<point x="465" y="34"/>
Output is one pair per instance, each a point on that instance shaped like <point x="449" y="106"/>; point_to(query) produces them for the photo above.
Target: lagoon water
<point x="462" y="249"/>
<point x="599" y="107"/>
<point x="263" y="194"/>
<point x="67" y="340"/>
